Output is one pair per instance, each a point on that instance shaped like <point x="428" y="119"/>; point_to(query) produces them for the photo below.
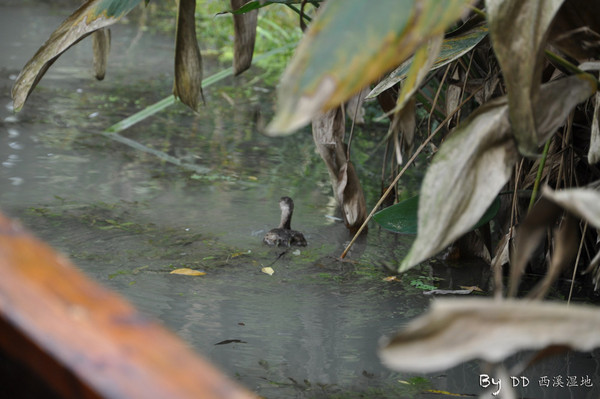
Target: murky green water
<point x="128" y="219"/>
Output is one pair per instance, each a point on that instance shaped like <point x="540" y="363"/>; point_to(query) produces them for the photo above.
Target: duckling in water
<point x="284" y="235"/>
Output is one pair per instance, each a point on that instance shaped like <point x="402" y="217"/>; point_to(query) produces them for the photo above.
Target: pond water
<point x="127" y="219"/>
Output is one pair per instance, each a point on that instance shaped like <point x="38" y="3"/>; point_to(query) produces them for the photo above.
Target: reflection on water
<point x="309" y="330"/>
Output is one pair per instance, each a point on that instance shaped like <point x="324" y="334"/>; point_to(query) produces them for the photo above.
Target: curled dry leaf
<point x="188" y="61"/>
<point x="594" y="151"/>
<point x="355" y="109"/>
<point x="459" y="330"/>
<point x="402" y="129"/>
<point x="267" y="270"/>
<point x="185" y="271"/>
<point x="244" y="27"/>
<point x="475" y="162"/>
<point x="91" y="16"/>
<point x="101" y="48"/>
<point x="566" y="240"/>
<point x="530" y="233"/>
<point x="518" y="29"/>
<point x="328" y="134"/>
<point x="349" y="45"/>
<point x="582" y="202"/>
<point x="465" y="176"/>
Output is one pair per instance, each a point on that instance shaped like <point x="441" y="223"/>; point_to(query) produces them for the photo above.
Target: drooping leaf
<point x="351" y="44"/>
<point x="460" y="330"/>
<point x="566" y="240"/>
<point x="402" y="217"/>
<point x="91" y="16"/>
<point x="328" y="134"/>
<point x="452" y="49"/>
<point x="594" y="151"/>
<point x="267" y="270"/>
<point x="576" y="29"/>
<point x="475" y="162"/>
<point x="188" y="60"/>
<point x="465" y="176"/>
<point x="101" y="48"/>
<point x="185" y="271"/>
<point x="518" y="29"/>
<point x="419" y="68"/>
<point x="244" y="26"/>
<point x="402" y="128"/>
<point x="530" y="233"/>
<point x="582" y="202"/>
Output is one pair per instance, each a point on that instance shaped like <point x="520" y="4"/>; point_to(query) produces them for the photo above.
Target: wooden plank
<point x="85" y="341"/>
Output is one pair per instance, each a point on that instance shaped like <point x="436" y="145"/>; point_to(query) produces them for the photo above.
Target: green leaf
<point x="452" y="49"/>
<point x="91" y="16"/>
<point x="349" y="45"/>
<point x="402" y="217"/>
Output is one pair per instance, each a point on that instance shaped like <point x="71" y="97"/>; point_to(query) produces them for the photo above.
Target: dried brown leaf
<point x="328" y="134"/>
<point x="459" y="330"/>
<point x="530" y="233"/>
<point x="566" y="239"/>
<point x="475" y="162"/>
<point x="244" y="27"/>
<point x="188" y="60"/>
<point x="594" y="151"/>
<point x="101" y="49"/>
<point x="91" y="16"/>
<point x="518" y="29"/>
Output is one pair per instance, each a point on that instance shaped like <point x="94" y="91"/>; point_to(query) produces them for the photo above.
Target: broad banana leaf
<point x="351" y="44"/>
<point x="91" y="16"/>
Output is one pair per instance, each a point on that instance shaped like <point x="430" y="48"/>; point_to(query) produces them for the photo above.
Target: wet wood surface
<point x="85" y="341"/>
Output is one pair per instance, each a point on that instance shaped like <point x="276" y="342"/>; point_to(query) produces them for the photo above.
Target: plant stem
<point x="170" y="100"/>
<point x="538" y="177"/>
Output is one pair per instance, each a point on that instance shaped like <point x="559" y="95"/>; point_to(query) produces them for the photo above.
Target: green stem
<point x="170" y="100"/>
<point x="538" y="177"/>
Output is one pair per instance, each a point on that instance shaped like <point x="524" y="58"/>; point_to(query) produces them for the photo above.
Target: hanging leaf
<point x="475" y="162"/>
<point x="244" y="27"/>
<point x="518" y="29"/>
<point x="530" y="233"/>
<point x="91" y="16"/>
<point x="457" y="331"/>
<point x="184" y="271"/>
<point x="452" y="49"/>
<point x="328" y="133"/>
<point x="594" y="151"/>
<point x="188" y="61"/>
<point x="582" y="202"/>
<point x="101" y="48"/>
<point x="349" y="45"/>
<point x="402" y="217"/>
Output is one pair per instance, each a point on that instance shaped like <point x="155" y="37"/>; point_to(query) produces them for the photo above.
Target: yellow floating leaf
<point x="268" y="270"/>
<point x="391" y="278"/>
<point x="472" y="288"/>
<point x="188" y="272"/>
